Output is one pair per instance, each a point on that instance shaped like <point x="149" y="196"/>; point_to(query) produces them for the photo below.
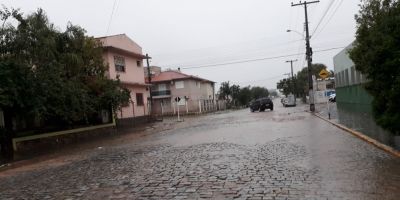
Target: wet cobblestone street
<point x="283" y="154"/>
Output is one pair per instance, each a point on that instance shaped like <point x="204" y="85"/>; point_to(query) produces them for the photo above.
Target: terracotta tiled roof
<point x="174" y="75"/>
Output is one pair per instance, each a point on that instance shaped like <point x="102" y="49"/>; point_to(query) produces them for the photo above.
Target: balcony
<point x="161" y="93"/>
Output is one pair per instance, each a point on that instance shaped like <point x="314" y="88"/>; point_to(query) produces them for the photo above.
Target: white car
<point x="332" y="98"/>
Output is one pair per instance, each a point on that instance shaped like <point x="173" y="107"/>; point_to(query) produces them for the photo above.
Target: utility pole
<point x="149" y="78"/>
<point x="291" y="68"/>
<point x="308" y="54"/>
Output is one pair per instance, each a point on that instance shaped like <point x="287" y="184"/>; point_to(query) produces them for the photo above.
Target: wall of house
<point x="207" y="90"/>
<point x="135" y="110"/>
<point x="195" y="90"/>
<point x="121" y="41"/>
<point x="133" y="72"/>
<point x="154" y="71"/>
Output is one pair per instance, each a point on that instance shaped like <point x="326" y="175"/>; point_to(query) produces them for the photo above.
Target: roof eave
<point x="123" y="51"/>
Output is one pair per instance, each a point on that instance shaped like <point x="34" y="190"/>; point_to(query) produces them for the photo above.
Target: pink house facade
<point x="196" y="95"/>
<point x="125" y="60"/>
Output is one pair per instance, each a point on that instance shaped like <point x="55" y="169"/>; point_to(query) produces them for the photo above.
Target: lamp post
<point x="308" y="52"/>
<point x="294" y="31"/>
<point x="292" y="79"/>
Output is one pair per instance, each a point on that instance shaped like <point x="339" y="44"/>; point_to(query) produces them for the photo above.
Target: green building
<point x="354" y="102"/>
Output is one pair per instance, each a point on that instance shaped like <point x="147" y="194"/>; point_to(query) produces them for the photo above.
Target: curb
<point x="374" y="142"/>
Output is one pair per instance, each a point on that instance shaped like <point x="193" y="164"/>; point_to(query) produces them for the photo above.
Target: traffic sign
<point x="323" y="73"/>
<point x="177" y="99"/>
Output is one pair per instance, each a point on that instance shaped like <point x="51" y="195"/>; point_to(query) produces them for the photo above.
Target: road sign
<point x="177" y="99"/>
<point x="323" y="73"/>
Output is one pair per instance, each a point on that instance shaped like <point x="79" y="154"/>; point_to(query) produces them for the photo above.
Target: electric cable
<point x="257" y="59"/>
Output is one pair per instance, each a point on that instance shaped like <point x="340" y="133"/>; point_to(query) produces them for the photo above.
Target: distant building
<point x="196" y="94"/>
<point x="323" y="88"/>
<point x="125" y="60"/>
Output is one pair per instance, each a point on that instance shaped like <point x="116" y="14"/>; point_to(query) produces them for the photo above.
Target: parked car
<point x="261" y="104"/>
<point x="332" y="98"/>
<point x="289" y="101"/>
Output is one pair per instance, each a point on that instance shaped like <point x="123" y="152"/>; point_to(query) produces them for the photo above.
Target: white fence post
<point x="162" y="108"/>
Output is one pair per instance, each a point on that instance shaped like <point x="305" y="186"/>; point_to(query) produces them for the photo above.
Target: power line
<point x="227" y="48"/>
<point x="266" y="79"/>
<point x="231" y="55"/>
<point x="257" y="59"/>
<point x="111" y="16"/>
<point x="333" y="14"/>
<point x="323" y="16"/>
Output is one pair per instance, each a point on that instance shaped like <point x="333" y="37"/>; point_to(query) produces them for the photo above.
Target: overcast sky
<point x="195" y="33"/>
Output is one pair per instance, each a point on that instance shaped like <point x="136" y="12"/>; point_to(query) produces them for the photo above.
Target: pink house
<point x="196" y="94"/>
<point x="125" y="60"/>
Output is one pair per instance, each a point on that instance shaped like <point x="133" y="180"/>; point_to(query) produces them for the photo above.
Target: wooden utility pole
<point x="149" y="79"/>
<point x="308" y="54"/>
<point x="291" y="68"/>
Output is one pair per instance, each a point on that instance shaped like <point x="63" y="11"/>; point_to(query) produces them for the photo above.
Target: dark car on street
<point x="261" y="104"/>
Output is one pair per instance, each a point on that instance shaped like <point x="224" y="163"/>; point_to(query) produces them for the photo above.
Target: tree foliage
<point x="300" y="81"/>
<point x="237" y="96"/>
<point x="376" y="53"/>
<point x="224" y="91"/>
<point x="56" y="76"/>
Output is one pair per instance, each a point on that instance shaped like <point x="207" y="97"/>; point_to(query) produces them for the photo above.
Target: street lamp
<point x="294" y="31"/>
<point x="309" y="62"/>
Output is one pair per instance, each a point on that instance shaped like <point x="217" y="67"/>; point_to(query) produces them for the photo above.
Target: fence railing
<point x="161" y="93"/>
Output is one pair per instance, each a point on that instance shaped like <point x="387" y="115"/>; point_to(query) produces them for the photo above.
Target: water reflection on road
<point x="283" y="154"/>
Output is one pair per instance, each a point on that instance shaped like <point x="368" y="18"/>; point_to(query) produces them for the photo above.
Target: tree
<point x="284" y="86"/>
<point x="237" y="96"/>
<point x="273" y="92"/>
<point x="244" y="96"/>
<point x="300" y="80"/>
<point x="225" y="91"/>
<point x="258" y="92"/>
<point x="235" y="92"/>
<point x="376" y="53"/>
<point x="55" y="77"/>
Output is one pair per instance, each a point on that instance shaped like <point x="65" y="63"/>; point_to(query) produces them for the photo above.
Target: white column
<point x="162" y="108"/>
<point x="186" y="104"/>
<point x="199" y="106"/>
<point x="173" y="105"/>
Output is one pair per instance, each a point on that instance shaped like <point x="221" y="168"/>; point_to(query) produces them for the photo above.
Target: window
<point x="138" y="63"/>
<point x="119" y="62"/>
<point x="139" y="99"/>
<point x="198" y="84"/>
<point x="162" y="87"/>
<point x="179" y="84"/>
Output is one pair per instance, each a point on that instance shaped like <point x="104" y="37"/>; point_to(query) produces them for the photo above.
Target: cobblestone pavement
<point x="284" y="154"/>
